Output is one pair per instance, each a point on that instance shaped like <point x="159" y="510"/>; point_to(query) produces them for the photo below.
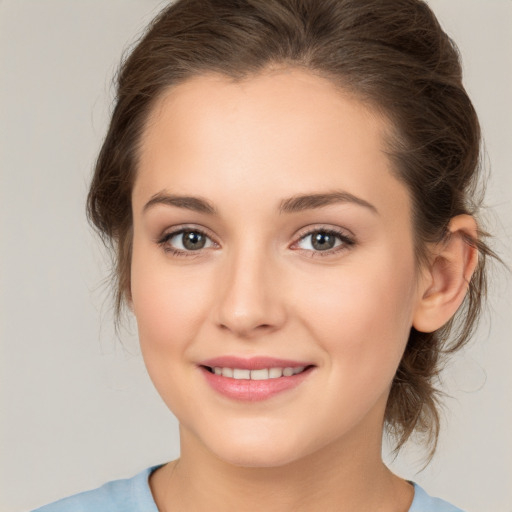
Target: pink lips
<point x="252" y="390"/>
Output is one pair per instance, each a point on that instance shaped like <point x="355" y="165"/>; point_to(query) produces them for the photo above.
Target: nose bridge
<point x="249" y="300"/>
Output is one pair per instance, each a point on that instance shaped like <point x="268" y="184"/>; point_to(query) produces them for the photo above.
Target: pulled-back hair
<point x="390" y="54"/>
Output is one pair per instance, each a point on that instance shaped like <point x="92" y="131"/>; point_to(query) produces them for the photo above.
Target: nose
<point x="250" y="302"/>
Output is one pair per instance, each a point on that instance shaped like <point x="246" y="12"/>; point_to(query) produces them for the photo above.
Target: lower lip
<point x="253" y="390"/>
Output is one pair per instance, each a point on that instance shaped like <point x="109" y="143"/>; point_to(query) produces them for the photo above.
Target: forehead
<point x="280" y="133"/>
<point x="295" y="103"/>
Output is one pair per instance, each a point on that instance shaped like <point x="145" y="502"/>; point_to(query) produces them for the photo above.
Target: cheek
<point x="362" y="314"/>
<point x="166" y="301"/>
<point x="167" y="307"/>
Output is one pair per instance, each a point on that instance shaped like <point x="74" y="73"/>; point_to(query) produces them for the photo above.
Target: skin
<point x="259" y="287"/>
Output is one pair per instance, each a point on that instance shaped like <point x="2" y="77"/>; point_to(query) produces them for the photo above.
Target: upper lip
<point x="252" y="363"/>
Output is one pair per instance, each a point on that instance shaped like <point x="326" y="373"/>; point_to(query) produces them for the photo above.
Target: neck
<point x="344" y="477"/>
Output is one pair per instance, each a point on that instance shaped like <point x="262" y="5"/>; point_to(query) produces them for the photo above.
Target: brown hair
<point x="393" y="55"/>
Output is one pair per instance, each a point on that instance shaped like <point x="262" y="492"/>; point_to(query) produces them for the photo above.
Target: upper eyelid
<point x="176" y="230"/>
<point x="323" y="227"/>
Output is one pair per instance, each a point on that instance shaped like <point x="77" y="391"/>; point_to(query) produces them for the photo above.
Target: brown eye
<point x="186" y="241"/>
<point x="324" y="240"/>
<point x="193" y="240"/>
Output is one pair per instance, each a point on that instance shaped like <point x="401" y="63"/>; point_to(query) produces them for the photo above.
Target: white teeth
<point x="259" y="374"/>
<point x="241" y="374"/>
<point x="262" y="374"/>
<point x="227" y="372"/>
<point x="275" y="373"/>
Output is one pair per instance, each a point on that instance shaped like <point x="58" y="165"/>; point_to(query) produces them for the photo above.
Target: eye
<point x="324" y="240"/>
<point x="186" y="241"/>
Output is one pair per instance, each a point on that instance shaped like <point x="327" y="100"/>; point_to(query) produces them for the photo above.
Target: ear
<point x="445" y="282"/>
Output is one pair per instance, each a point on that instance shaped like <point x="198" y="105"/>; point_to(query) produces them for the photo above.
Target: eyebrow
<point x="310" y="201"/>
<point x="196" y="204"/>
<point x="293" y="204"/>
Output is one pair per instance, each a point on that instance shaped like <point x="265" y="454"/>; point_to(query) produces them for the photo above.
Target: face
<point x="270" y="233"/>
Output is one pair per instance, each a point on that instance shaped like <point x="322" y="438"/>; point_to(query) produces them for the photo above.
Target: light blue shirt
<point x="134" y="495"/>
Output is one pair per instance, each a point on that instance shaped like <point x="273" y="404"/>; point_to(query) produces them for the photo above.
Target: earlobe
<point x="446" y="281"/>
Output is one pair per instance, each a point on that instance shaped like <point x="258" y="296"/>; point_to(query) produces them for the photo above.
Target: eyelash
<point x="346" y="241"/>
<point x="163" y="241"/>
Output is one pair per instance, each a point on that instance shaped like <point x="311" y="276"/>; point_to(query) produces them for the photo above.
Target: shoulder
<point x="127" y="495"/>
<point x="424" y="503"/>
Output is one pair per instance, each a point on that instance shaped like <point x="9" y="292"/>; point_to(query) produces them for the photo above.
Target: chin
<point x="258" y="450"/>
<point x="258" y="459"/>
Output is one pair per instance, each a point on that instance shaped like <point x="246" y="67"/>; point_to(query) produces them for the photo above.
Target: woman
<point x="289" y="190"/>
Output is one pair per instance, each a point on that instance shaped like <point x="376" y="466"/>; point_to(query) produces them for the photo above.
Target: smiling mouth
<point x="254" y="379"/>
<point x="259" y="374"/>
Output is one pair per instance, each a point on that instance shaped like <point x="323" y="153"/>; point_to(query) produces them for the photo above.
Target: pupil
<point x="323" y="241"/>
<point x="193" y="240"/>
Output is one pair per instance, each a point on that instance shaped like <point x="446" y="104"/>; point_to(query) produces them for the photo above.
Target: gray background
<point x="77" y="406"/>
